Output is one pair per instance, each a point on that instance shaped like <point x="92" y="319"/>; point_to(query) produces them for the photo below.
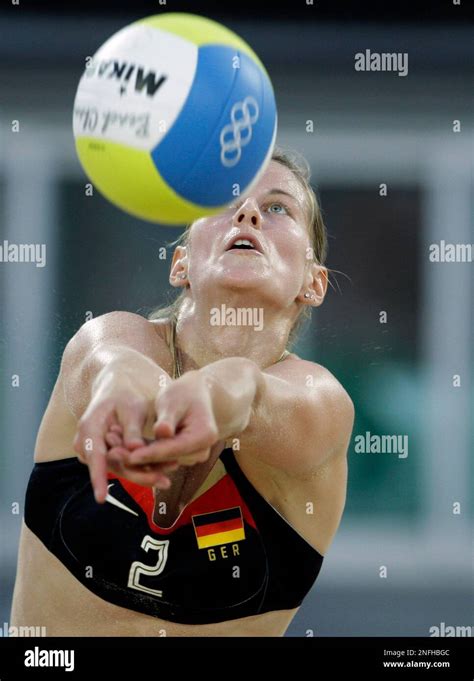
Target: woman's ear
<point x="179" y="267"/>
<point x="315" y="287"/>
<point x="320" y="283"/>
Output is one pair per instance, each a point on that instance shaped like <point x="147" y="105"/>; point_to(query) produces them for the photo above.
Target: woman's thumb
<point x="164" y="426"/>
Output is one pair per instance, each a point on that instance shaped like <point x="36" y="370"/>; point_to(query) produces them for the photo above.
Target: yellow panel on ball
<point x="199" y="30"/>
<point x="128" y="178"/>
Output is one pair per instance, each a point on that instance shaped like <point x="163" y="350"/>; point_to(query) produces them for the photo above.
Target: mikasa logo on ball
<point x="123" y="72"/>
<point x="134" y="88"/>
<point x="243" y="115"/>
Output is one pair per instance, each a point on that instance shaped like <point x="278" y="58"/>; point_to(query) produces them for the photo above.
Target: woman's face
<point x="274" y="217"/>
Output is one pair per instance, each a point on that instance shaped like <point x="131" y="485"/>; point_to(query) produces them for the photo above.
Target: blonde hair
<point x="317" y="230"/>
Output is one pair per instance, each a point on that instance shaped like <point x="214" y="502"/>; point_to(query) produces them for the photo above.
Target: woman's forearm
<point x="235" y="385"/>
<point x="111" y="363"/>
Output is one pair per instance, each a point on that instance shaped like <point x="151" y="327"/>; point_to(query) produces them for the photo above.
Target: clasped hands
<point x="181" y="421"/>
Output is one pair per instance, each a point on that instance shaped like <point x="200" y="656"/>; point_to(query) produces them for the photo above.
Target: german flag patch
<point x="219" y="527"/>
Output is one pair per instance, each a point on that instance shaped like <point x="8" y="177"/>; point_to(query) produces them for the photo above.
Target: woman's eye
<point x="278" y="205"/>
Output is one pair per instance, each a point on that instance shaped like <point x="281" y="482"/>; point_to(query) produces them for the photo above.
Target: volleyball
<point x="174" y="117"/>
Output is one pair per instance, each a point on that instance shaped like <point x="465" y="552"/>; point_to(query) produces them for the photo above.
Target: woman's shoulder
<point x="317" y="374"/>
<point x="110" y="326"/>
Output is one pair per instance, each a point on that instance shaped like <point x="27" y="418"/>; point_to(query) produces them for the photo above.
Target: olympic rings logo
<point x="238" y="134"/>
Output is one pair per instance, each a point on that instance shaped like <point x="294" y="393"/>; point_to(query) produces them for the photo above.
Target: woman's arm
<point x="301" y="417"/>
<point x="292" y="416"/>
<point x="110" y="376"/>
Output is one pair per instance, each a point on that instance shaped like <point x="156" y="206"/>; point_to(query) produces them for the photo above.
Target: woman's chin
<point x="243" y="280"/>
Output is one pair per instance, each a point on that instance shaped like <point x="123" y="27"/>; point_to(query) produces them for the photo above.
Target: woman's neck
<point x="203" y="339"/>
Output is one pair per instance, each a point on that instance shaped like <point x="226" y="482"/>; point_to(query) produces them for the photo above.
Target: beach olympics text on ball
<point x="174" y="117"/>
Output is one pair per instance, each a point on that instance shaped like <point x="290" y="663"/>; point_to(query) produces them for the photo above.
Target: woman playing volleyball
<point x="215" y="460"/>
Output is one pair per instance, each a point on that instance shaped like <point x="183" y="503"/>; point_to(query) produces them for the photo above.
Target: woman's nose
<point x="248" y="214"/>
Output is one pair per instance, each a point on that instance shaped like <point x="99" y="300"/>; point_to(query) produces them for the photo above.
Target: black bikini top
<point x="229" y="554"/>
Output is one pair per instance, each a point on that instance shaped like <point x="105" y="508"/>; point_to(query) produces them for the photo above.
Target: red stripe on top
<point x="222" y="495"/>
<point x="223" y="526"/>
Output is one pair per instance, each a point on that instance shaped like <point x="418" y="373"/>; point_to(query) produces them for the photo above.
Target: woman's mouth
<point x="244" y="243"/>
